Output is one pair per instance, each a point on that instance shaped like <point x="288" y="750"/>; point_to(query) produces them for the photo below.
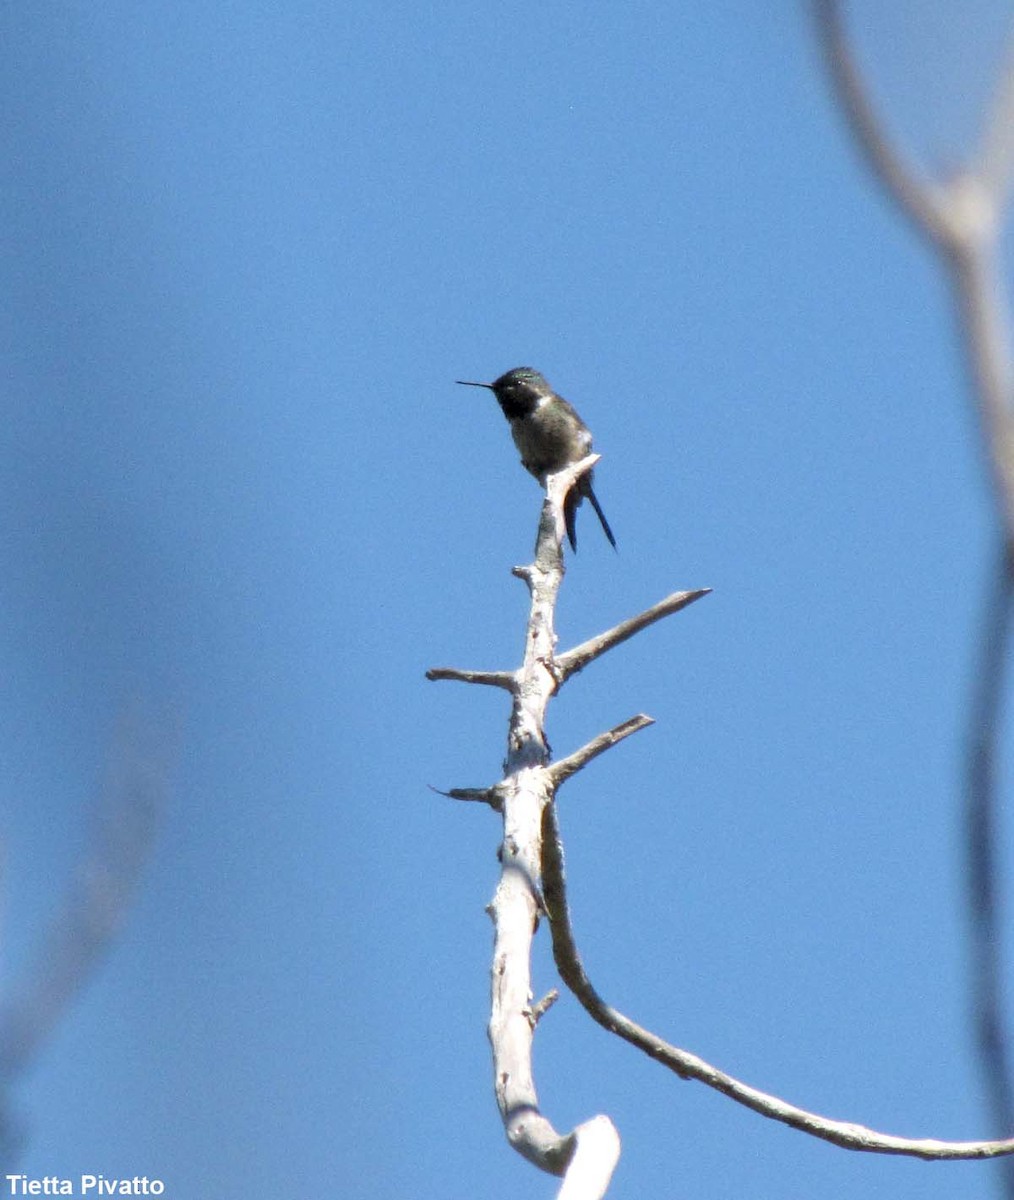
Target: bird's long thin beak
<point x="471" y="383"/>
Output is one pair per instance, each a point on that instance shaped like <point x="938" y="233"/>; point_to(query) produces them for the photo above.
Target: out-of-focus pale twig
<point x="961" y="217"/>
<point x="917" y="198"/>
<point x="994" y="161"/>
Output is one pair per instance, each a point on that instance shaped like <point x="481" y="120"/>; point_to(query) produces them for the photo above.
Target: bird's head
<point x="518" y="390"/>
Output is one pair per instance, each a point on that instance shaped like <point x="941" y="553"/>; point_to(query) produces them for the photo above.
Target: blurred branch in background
<point x="981" y="824"/>
<point x="101" y="891"/>
<point x="961" y="217"/>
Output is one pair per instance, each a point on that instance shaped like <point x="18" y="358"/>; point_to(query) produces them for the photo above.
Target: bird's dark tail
<point x="570" y="506"/>
<point x="570" y="516"/>
<point x="600" y="514"/>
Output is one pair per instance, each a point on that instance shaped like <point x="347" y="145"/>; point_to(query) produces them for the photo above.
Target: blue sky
<point x="248" y="248"/>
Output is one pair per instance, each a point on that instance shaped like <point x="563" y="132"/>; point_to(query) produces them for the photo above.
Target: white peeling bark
<point x="517" y="904"/>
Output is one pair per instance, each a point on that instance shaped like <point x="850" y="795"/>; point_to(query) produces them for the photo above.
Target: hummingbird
<point x="549" y="436"/>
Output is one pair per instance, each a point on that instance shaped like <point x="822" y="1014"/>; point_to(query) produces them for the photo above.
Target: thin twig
<point x="491" y="795"/>
<point x="576" y="659"/>
<point x="500" y="679"/>
<point x="560" y="771"/>
<point x="538" y="1010"/>
<point x="688" y="1066"/>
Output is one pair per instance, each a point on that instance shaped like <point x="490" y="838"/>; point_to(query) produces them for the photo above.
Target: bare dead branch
<point x="572" y="661"/>
<point x="500" y="679"/>
<point x="919" y="199"/>
<point x="514" y="911"/>
<point x="560" y="771"/>
<point x="688" y="1066"/>
<point x="586" y="1157"/>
